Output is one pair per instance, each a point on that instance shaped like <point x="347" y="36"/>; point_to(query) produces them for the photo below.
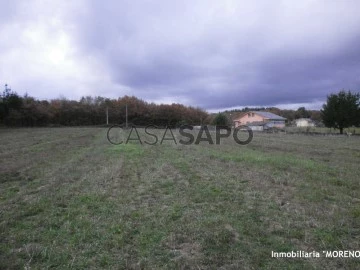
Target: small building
<point x="304" y="122"/>
<point x="260" y="120"/>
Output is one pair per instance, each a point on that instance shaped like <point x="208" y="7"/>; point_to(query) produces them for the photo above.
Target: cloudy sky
<point x="212" y="54"/>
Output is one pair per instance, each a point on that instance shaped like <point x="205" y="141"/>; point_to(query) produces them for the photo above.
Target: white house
<point x="304" y="122"/>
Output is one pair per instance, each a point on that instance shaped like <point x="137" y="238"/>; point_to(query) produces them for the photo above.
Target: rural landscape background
<point x="27" y="111"/>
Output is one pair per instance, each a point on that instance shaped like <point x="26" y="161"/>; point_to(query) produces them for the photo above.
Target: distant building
<point x="259" y="120"/>
<point x="304" y="122"/>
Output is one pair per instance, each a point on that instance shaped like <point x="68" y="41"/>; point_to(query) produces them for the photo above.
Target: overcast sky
<point x="211" y="54"/>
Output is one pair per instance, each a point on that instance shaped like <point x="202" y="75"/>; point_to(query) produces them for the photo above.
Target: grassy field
<point x="71" y="200"/>
<point x="323" y="130"/>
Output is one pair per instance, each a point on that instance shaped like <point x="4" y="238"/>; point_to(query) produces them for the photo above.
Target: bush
<point x="221" y="120"/>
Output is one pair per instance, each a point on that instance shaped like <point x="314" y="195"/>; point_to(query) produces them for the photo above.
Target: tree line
<point x="342" y="110"/>
<point x="27" y="111"/>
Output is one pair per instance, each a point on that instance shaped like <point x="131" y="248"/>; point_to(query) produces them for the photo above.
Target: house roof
<point x="237" y="115"/>
<point x="269" y="115"/>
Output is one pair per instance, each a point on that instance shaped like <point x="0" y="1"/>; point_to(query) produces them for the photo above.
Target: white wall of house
<point x="304" y="123"/>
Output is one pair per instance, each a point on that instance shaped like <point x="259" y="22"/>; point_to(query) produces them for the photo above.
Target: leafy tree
<point x="341" y="110"/>
<point x="302" y="113"/>
<point x="9" y="101"/>
<point x="221" y="120"/>
<point x="315" y="115"/>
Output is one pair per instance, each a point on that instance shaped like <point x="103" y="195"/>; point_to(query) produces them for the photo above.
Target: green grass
<point x="323" y="130"/>
<point x="71" y="200"/>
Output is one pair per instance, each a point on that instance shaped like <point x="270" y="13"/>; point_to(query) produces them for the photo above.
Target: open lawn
<point x="71" y="200"/>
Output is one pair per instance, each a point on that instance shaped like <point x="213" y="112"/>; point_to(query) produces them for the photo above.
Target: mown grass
<point x="69" y="199"/>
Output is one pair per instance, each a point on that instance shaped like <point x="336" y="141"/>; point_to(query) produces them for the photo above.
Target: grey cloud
<point x="222" y="53"/>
